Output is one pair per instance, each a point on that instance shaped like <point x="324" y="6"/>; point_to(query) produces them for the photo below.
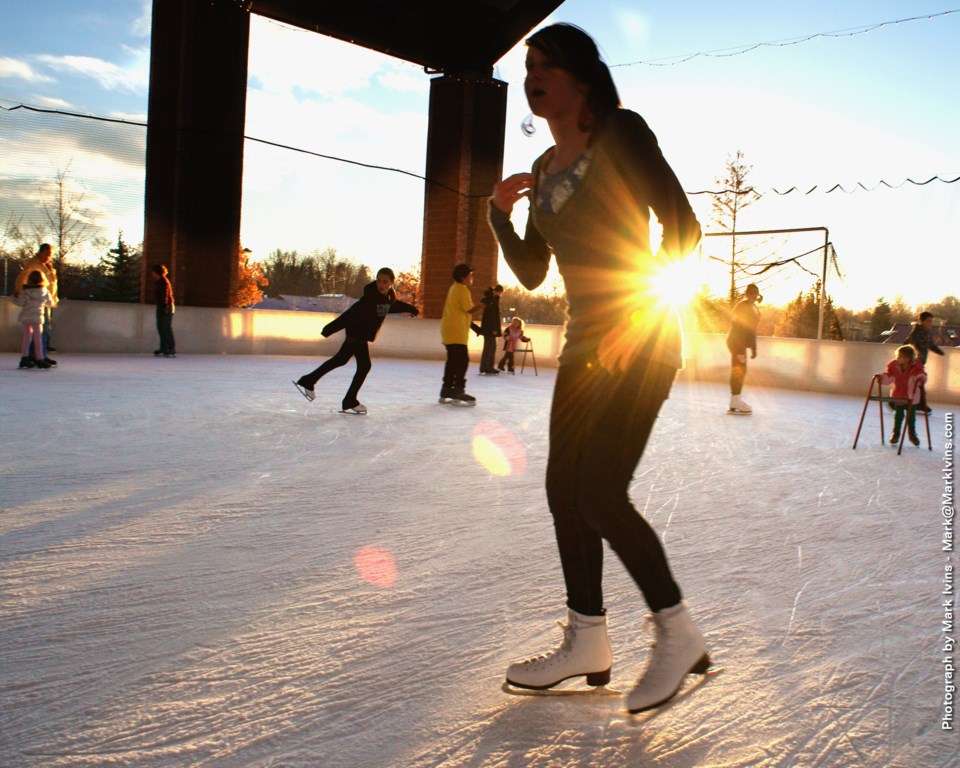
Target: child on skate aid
<point x="906" y="374"/>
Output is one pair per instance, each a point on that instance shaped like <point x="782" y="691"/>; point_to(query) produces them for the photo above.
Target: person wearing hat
<point x="742" y="336"/>
<point x="490" y="329"/>
<point x="455" y="333"/>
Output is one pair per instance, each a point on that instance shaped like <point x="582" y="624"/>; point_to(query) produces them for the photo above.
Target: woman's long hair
<point x="570" y="48"/>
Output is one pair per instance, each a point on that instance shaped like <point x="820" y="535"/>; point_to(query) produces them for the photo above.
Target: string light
<point x="721" y="53"/>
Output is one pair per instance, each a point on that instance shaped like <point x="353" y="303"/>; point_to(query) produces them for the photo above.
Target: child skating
<point x="362" y="322"/>
<point x="33" y="299"/>
<point x="512" y="335"/>
<point x="455" y="333"/>
<point x="906" y="373"/>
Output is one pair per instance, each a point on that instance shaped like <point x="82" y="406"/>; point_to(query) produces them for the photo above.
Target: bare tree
<point x="66" y="220"/>
<point x="12" y="249"/>
<point x="737" y="194"/>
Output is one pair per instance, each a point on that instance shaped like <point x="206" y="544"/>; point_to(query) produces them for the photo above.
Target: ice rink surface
<point x="200" y="568"/>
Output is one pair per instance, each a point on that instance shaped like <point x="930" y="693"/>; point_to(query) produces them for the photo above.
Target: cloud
<point x="50" y="102"/>
<point x="20" y="70"/>
<point x="110" y="76"/>
<point x="142" y="24"/>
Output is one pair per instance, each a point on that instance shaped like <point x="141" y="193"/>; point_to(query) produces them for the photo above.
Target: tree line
<point x="116" y="275"/>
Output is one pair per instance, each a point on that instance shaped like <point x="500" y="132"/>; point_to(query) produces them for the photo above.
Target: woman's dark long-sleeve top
<point x="601" y="240"/>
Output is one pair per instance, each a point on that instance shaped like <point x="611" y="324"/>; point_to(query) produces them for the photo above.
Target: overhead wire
<point x="421" y="177"/>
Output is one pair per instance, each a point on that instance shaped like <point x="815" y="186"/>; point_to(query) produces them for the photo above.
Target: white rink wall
<point x="834" y="367"/>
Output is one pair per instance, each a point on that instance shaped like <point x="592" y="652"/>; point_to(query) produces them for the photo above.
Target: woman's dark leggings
<point x="350" y="348"/>
<point x="599" y="426"/>
<point x="738" y="372"/>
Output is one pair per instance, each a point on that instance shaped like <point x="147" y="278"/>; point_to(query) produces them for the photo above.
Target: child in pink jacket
<point x="512" y="335"/>
<point x="906" y="374"/>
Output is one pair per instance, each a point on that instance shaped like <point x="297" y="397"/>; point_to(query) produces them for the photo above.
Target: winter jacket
<point x="33" y="300"/>
<point x="920" y="338"/>
<point x="490" y="320"/>
<point x="601" y="241"/>
<point x="455" y="322"/>
<point x="48" y="272"/>
<point x="905" y="380"/>
<point x="511" y="338"/>
<point x="163" y="294"/>
<point x="743" y="329"/>
<point x="362" y="320"/>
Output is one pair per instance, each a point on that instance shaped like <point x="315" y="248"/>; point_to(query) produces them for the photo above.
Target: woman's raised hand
<point x="508" y="192"/>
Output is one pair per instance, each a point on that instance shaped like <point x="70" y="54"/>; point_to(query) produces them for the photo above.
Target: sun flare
<point x="677" y="282"/>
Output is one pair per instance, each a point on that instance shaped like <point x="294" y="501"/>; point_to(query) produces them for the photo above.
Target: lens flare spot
<point x="497" y="450"/>
<point x="375" y="565"/>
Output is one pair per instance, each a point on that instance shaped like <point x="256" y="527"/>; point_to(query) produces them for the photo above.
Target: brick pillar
<point x="196" y="111"/>
<point x="464" y="160"/>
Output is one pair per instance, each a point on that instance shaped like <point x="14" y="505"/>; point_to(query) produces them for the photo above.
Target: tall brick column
<point x="464" y="160"/>
<point x="197" y="103"/>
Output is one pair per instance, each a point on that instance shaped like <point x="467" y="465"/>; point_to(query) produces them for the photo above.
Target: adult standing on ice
<point x="590" y="200"/>
<point x="741" y="337"/>
<point x="163" y="296"/>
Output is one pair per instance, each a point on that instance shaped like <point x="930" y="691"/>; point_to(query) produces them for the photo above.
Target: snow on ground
<point x="199" y="568"/>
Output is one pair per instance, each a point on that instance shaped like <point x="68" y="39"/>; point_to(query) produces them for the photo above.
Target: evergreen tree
<point x="882" y="317"/>
<point x="121" y="273"/>
<point x="801" y="317"/>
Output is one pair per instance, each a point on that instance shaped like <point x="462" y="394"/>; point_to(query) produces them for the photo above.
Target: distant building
<point x="942" y="335"/>
<point x="327" y="302"/>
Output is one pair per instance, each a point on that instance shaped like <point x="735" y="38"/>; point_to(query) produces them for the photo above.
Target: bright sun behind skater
<point x="677" y="282"/>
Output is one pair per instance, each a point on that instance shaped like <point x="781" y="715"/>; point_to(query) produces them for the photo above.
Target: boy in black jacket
<point x="362" y="322"/>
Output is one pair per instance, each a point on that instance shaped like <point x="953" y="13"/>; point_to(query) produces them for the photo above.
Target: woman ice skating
<point x="590" y="196"/>
<point x="742" y="336"/>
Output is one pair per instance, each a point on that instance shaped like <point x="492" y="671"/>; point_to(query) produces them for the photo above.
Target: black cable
<point x="420" y="177"/>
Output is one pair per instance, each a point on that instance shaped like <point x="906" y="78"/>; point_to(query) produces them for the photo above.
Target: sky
<point x="848" y="106"/>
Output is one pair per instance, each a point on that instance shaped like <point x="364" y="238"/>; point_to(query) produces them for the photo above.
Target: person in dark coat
<point x="163" y="294"/>
<point x="490" y="328"/>
<point x="361" y="322"/>
<point x="922" y="341"/>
